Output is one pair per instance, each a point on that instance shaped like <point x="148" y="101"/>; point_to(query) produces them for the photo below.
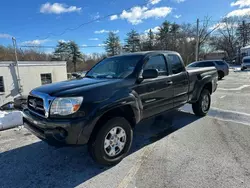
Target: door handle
<point x="169" y="82"/>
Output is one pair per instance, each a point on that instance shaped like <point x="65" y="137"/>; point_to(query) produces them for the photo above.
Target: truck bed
<point x="196" y="75"/>
<point x="197" y="70"/>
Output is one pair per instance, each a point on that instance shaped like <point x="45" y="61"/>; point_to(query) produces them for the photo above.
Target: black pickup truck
<point x="102" y="108"/>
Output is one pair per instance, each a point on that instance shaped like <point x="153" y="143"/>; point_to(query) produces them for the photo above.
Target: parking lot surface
<point x="176" y="149"/>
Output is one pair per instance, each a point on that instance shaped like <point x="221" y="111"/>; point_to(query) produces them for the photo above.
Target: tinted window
<point x="246" y="60"/>
<point x="46" y="79"/>
<point x="208" y="64"/>
<point x="157" y="62"/>
<point x="1" y="84"/>
<point x="205" y="64"/>
<point x="200" y="64"/>
<point x="193" y="65"/>
<point x="220" y="63"/>
<point x="175" y="63"/>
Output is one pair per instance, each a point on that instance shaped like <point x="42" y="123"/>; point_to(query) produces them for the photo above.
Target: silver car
<point x="245" y="63"/>
<point x="221" y="66"/>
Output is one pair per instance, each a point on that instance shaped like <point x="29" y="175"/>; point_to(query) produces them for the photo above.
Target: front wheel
<point x="112" y="142"/>
<point x="202" y="106"/>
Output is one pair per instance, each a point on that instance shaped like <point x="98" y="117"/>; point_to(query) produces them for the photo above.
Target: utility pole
<point x="197" y="42"/>
<point x="17" y="66"/>
<point x="244" y="30"/>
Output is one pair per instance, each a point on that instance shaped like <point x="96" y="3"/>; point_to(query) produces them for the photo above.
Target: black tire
<point x="96" y="145"/>
<point x="197" y="107"/>
<point x="220" y="75"/>
<point x="243" y="68"/>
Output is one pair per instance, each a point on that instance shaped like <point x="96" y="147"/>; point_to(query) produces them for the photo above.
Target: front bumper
<point x="56" y="132"/>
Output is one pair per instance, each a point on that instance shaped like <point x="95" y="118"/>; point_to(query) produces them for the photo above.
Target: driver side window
<point x="158" y="63"/>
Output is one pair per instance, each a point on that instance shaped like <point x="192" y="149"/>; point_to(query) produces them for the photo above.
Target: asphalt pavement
<point x="177" y="149"/>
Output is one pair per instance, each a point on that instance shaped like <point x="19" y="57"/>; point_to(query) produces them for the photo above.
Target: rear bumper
<point x="56" y="132"/>
<point x="226" y="72"/>
<point x="245" y="66"/>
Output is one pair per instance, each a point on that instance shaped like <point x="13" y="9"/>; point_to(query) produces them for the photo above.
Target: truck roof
<point x="208" y="60"/>
<point x="147" y="53"/>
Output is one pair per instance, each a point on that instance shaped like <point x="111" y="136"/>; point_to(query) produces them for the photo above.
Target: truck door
<point x="179" y="78"/>
<point x="156" y="94"/>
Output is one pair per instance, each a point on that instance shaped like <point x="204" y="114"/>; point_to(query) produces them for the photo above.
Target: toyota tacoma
<point x="102" y="108"/>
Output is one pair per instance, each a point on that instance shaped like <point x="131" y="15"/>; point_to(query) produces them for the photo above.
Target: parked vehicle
<point x="102" y="108"/>
<point x="19" y="103"/>
<point x="221" y="66"/>
<point x="8" y="106"/>
<point x="245" y="63"/>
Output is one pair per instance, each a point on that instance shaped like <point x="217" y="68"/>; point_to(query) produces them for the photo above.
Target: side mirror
<point x="150" y="73"/>
<point x="76" y="75"/>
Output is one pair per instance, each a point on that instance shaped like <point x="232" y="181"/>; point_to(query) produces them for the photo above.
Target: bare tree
<point x="205" y="32"/>
<point x="30" y="54"/>
<point x="243" y="33"/>
<point x="226" y="38"/>
<point x="186" y="43"/>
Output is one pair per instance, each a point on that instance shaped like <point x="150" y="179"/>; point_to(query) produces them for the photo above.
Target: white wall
<point x="30" y="77"/>
<point x="8" y="85"/>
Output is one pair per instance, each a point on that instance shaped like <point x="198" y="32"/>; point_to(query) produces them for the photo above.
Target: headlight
<point x="65" y="106"/>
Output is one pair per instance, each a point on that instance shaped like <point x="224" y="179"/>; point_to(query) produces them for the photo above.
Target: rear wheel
<point x="112" y="142"/>
<point x="202" y="106"/>
<point x="220" y="75"/>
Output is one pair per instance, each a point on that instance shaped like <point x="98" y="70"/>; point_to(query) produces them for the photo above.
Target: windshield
<point x="116" y="67"/>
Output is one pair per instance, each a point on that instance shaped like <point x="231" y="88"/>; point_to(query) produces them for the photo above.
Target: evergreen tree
<point x="133" y="41"/>
<point x="68" y="51"/>
<point x="112" y="44"/>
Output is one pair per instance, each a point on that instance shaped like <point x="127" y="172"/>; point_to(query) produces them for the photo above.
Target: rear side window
<point x="205" y="64"/>
<point x="157" y="62"/>
<point x="208" y="64"/>
<point x="193" y="65"/>
<point x="175" y="63"/>
<point x="1" y="84"/>
<point x="220" y="63"/>
<point x="200" y="64"/>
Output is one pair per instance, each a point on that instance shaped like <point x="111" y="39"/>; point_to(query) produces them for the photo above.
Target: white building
<point x="245" y="51"/>
<point x="219" y="54"/>
<point x="32" y="74"/>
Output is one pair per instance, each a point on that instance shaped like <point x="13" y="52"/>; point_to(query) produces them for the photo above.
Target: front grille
<point x="36" y="104"/>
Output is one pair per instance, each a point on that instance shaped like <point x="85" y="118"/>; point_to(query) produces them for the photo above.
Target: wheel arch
<point x="209" y="87"/>
<point x="206" y="83"/>
<point x="126" y="111"/>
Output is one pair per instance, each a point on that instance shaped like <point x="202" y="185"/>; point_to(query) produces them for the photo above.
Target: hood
<point x="78" y="85"/>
